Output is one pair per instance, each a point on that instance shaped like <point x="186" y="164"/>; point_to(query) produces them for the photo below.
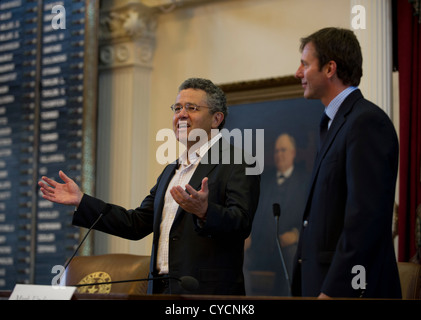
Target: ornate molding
<point x="130" y="22"/>
<point x="127" y="35"/>
<point x="138" y="53"/>
<point x="127" y="29"/>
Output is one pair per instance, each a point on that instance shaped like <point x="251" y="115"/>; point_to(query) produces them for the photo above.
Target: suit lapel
<point x="337" y="124"/>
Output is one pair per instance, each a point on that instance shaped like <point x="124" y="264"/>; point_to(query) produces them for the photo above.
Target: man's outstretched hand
<point x="195" y="202"/>
<point x="63" y="193"/>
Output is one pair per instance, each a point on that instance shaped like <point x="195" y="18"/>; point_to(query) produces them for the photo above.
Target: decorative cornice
<point x="127" y="35"/>
<point x="127" y="30"/>
<point x="137" y="18"/>
<point x="128" y="23"/>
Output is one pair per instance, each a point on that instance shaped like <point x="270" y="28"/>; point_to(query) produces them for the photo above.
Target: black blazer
<point x="213" y="253"/>
<point x="348" y="215"/>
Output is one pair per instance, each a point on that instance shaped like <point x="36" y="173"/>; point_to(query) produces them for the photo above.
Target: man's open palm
<point x="63" y="193"/>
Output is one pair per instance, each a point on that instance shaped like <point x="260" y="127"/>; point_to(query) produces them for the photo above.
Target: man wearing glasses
<point x="199" y="211"/>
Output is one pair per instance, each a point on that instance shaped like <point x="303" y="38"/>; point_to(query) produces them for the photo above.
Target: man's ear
<point x="330" y="68"/>
<point x="218" y="117"/>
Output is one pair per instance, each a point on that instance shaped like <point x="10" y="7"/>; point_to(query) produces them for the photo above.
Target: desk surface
<point x="4" y="295"/>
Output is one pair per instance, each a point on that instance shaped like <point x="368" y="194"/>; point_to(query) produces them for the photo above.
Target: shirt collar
<point x="334" y="105"/>
<point x="197" y="154"/>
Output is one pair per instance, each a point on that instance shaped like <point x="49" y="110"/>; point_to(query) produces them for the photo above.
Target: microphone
<point x="276" y="210"/>
<point x="186" y="282"/>
<point x="277" y="213"/>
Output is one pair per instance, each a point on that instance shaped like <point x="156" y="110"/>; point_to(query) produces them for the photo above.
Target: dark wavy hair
<point x="341" y="46"/>
<point x="216" y="99"/>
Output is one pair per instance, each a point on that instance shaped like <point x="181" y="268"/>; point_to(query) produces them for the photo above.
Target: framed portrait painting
<point x="284" y="130"/>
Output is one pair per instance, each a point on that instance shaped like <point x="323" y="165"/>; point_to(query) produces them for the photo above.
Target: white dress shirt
<point x="181" y="177"/>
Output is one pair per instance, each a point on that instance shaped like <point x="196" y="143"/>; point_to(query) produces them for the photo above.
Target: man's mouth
<point x="183" y="125"/>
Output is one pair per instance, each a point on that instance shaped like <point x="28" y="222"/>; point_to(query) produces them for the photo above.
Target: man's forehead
<point x="309" y="49"/>
<point x="191" y="94"/>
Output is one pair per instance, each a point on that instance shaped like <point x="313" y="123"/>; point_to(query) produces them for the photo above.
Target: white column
<point x="378" y="80"/>
<point x="376" y="46"/>
<point x="127" y="44"/>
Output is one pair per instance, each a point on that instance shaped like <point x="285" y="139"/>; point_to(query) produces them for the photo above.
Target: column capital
<point x="126" y="34"/>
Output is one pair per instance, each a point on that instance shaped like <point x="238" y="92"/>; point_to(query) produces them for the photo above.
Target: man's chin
<point x="310" y="95"/>
<point x="182" y="135"/>
<point x="307" y="95"/>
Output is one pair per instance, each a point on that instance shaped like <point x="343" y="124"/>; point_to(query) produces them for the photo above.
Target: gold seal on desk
<point x="96" y="278"/>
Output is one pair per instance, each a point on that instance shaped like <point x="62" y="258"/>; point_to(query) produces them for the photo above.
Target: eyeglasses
<point x="190" y="107"/>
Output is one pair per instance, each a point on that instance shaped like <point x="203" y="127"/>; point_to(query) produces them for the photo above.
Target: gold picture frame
<point x="286" y="87"/>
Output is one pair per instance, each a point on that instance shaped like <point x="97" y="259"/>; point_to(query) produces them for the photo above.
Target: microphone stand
<point x="83" y="240"/>
<point x="277" y="213"/>
<point x="78" y="247"/>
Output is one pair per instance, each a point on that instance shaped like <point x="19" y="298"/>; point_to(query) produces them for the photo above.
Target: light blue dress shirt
<point x="334" y="105"/>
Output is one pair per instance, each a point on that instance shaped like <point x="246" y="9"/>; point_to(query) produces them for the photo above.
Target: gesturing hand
<point x="64" y="193"/>
<point x="196" y="202"/>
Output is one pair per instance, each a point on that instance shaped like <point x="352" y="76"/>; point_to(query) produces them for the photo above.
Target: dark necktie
<point x="323" y="128"/>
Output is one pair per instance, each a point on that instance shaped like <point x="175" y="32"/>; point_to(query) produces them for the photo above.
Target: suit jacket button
<point x="300" y="261"/>
<point x="305" y="223"/>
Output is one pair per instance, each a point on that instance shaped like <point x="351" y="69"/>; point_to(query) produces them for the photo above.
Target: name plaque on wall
<point x="42" y="106"/>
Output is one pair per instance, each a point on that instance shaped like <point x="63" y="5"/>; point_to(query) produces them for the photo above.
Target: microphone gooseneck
<point x="83" y="240"/>
<point x="277" y="213"/>
<point x="186" y="282"/>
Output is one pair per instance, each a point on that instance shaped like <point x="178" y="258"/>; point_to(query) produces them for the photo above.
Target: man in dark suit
<point x="345" y="247"/>
<point x="199" y="211"/>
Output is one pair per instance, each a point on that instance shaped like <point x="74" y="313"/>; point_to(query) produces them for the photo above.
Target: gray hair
<point x="216" y="99"/>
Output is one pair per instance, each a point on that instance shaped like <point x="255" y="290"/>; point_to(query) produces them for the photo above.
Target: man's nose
<point x="183" y="113"/>
<point x="299" y="73"/>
